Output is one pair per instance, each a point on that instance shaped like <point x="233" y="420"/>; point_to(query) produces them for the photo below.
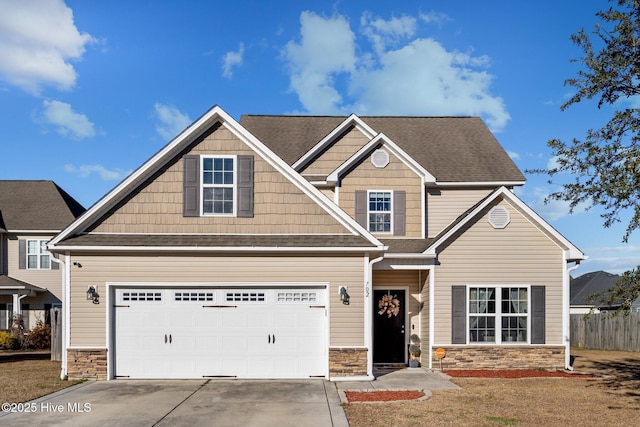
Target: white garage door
<point x="243" y="333"/>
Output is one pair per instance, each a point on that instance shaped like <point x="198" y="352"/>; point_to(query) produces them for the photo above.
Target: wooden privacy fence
<point x="606" y="332"/>
<point x="56" y="334"/>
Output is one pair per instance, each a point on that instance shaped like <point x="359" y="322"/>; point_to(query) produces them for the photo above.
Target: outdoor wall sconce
<point x="92" y="294"/>
<point x="344" y="296"/>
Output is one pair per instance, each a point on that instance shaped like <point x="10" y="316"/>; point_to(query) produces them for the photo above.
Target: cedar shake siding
<point x="88" y="320"/>
<point x="397" y="177"/>
<point x="279" y="206"/>
<point x="329" y="160"/>
<point x="516" y="255"/>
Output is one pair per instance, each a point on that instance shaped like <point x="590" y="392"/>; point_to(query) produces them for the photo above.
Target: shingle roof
<point x="9" y="283"/>
<point x="211" y="240"/>
<point x="36" y="205"/>
<point x="453" y="149"/>
<point x="589" y="284"/>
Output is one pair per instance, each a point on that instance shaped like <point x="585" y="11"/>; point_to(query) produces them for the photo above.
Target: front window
<point x="380" y="211"/>
<point x="37" y="255"/>
<point x="218" y="185"/>
<point x="498" y="315"/>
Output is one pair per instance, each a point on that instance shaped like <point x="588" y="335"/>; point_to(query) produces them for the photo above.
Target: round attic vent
<point x="499" y="217"/>
<point x="380" y="158"/>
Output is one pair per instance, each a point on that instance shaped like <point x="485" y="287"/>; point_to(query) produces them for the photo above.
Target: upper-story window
<point x="37" y="255"/>
<point x="380" y="210"/>
<point x="218" y="185"/>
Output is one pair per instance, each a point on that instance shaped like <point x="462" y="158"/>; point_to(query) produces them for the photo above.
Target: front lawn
<point x="27" y="376"/>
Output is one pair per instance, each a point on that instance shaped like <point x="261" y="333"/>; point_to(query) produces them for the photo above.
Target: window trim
<point x="234" y="186"/>
<point x="390" y="212"/>
<point x="498" y="315"/>
<point x="41" y="243"/>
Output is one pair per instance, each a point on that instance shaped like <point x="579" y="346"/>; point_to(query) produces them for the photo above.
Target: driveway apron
<point x="185" y="403"/>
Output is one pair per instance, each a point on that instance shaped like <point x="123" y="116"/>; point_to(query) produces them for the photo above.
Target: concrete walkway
<point x="403" y="379"/>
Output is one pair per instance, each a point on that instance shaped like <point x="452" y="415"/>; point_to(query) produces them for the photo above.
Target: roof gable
<point x="213" y="119"/>
<point x="380" y="139"/>
<point x="572" y="253"/>
<point x="36" y="206"/>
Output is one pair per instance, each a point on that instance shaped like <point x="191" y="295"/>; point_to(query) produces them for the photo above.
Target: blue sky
<point x="89" y="89"/>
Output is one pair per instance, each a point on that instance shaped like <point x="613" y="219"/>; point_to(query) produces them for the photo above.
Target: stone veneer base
<point x="87" y="364"/>
<point x="347" y="362"/>
<point x="503" y="357"/>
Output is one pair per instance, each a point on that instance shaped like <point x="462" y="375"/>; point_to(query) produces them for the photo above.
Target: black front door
<point x="388" y="326"/>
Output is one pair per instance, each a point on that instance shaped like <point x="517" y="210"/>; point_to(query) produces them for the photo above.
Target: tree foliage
<point x="605" y="165"/>
<point x="622" y="295"/>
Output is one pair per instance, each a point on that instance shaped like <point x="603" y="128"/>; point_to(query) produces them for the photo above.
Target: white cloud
<point x="84" y="171"/>
<point x="382" y="33"/>
<point x="327" y="47"/>
<point x="171" y="120"/>
<point x="68" y="122"/>
<point x="513" y="155"/>
<point x="231" y="60"/>
<point x="554" y="209"/>
<point x="38" y="38"/>
<point x="434" y="17"/>
<point x="402" y="75"/>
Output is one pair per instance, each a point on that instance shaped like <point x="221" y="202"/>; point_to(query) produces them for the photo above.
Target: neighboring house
<point x="31" y="213"/>
<point x="296" y="247"/>
<point x="591" y="283"/>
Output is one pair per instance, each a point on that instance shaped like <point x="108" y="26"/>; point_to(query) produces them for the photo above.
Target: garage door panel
<point x="218" y="332"/>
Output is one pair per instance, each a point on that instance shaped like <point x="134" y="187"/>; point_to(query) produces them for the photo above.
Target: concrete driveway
<point x="185" y="403"/>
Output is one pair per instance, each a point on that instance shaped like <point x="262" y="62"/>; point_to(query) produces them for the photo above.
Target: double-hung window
<point x="37" y="255"/>
<point x="380" y="211"/>
<point x="219" y="185"/>
<point x="498" y="314"/>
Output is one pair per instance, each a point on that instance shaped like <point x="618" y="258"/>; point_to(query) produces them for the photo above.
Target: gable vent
<point x="499" y="217"/>
<point x="380" y="158"/>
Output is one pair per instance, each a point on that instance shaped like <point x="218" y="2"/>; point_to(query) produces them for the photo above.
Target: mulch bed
<point x="512" y="373"/>
<point x="383" y="395"/>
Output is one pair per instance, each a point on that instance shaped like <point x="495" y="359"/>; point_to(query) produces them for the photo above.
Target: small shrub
<point x="39" y="337"/>
<point x="7" y="341"/>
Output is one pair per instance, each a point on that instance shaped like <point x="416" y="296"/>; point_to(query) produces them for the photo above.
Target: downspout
<point x="64" y="313"/>
<point x="566" y="317"/>
<point x="368" y="314"/>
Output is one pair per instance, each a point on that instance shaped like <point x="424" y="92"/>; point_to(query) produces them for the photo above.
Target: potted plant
<point x="414" y="351"/>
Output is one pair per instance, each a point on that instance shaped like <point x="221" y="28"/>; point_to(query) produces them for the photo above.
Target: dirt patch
<point x="613" y="398"/>
<point x="514" y="373"/>
<point x="383" y="395"/>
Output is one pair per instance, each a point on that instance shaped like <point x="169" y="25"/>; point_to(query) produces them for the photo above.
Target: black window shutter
<point x="458" y="315"/>
<point x="22" y="257"/>
<point x="191" y="186"/>
<point x="361" y="207"/>
<point x="54" y="265"/>
<point x="245" y="187"/>
<point x="399" y="213"/>
<point x="538" y="315"/>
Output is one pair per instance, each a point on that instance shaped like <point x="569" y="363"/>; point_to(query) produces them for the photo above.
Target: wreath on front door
<point x="389" y="305"/>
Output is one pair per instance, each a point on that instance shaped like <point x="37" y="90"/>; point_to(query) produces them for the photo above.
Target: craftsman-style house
<point x="296" y="247"/>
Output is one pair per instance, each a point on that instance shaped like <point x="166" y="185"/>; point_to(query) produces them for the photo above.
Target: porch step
<point x="388" y="366"/>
